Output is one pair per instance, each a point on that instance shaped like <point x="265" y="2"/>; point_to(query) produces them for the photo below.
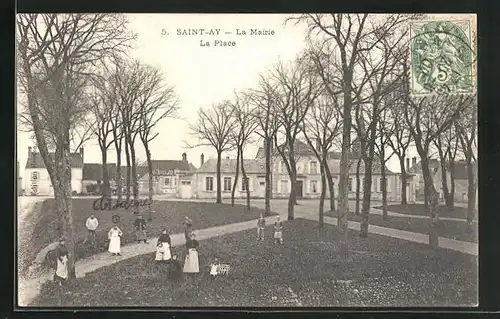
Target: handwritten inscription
<point x="107" y="204"/>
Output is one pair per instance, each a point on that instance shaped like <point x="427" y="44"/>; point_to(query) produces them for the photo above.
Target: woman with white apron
<point x="163" y="252"/>
<point x="114" y="236"/>
<point x="61" y="274"/>
<point x="191" y="265"/>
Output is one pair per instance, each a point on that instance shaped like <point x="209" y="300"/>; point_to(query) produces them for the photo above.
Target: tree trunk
<point x="385" y="215"/>
<point x="150" y="173"/>
<point x="358" y="186"/>
<point x="433" y="200"/>
<point x="269" y="186"/>
<point x="451" y="196"/>
<point x="219" y="192"/>
<point x="471" y="194"/>
<point x="118" y="177"/>
<point x="292" y="199"/>
<point x="127" y="157"/>
<point x="331" y="186"/>
<point x="106" y="190"/>
<point x="135" y="184"/>
<point x="444" y="182"/>
<point x="323" y="195"/>
<point x="236" y="175"/>
<point x="64" y="204"/>
<point x="368" y="160"/>
<point x="245" y="180"/>
<point x="404" y="200"/>
<point x="344" y="163"/>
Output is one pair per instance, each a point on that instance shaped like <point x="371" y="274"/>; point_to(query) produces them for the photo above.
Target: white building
<point x="36" y="176"/>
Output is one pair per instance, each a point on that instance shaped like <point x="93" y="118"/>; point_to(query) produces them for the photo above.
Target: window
<point x="349" y="186"/>
<point x="209" y="183"/>
<point x="314" y="186"/>
<point x="284" y="187"/>
<point x="34" y="176"/>
<point x="381" y="184"/>
<point x="244" y="184"/>
<point x="34" y="189"/>
<point x="313" y="167"/>
<point x="227" y="184"/>
<point x="167" y="181"/>
<point x="282" y="167"/>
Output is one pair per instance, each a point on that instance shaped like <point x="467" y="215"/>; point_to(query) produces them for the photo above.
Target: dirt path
<point x="28" y="210"/>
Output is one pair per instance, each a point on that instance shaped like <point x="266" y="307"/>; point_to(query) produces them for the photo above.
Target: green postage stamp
<point x="443" y="57"/>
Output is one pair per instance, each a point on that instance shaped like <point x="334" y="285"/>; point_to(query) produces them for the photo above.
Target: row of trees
<point x="76" y="83"/>
<point x="352" y="81"/>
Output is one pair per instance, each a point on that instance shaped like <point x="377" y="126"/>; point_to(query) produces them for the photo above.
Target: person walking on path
<point x="114" y="236"/>
<point x="140" y="229"/>
<point x="61" y="274"/>
<point x="188" y="227"/>
<point x="92" y="223"/>
<point x="278" y="231"/>
<point x="191" y="264"/>
<point x="261" y="224"/>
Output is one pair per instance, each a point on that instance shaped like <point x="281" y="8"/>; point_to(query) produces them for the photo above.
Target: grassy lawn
<point x="446" y="228"/>
<point x="169" y="214"/>
<point x="306" y="270"/>
<point x="419" y="209"/>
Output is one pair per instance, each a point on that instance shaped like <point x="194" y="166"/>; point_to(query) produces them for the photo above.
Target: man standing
<point x="140" y="229"/>
<point x="92" y="223"/>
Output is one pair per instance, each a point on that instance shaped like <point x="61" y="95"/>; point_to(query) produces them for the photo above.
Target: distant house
<point x="460" y="179"/>
<point x="36" y="177"/>
<point x="206" y="178"/>
<point x="92" y="174"/>
<point x="308" y="184"/>
<point x="170" y="177"/>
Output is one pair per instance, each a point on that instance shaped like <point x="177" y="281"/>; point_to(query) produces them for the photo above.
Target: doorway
<point x="298" y="189"/>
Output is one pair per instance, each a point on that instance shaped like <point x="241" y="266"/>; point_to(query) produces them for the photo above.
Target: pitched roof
<point x="301" y="148"/>
<point x="228" y="165"/>
<point x="93" y="171"/>
<point x="35" y="160"/>
<point x="376" y="167"/>
<point x="459" y="168"/>
<point x="417" y="168"/>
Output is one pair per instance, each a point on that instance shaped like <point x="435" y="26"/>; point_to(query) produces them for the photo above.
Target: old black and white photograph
<point x="246" y="160"/>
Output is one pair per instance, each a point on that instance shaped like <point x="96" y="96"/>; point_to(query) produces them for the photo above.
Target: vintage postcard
<point x="246" y="160"/>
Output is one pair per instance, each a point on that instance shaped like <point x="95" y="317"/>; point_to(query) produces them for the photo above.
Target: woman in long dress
<point x="163" y="252"/>
<point x="114" y="236"/>
<point x="191" y="265"/>
<point x="61" y="274"/>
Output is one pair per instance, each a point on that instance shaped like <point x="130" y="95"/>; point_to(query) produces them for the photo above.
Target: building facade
<point x="36" y="177"/>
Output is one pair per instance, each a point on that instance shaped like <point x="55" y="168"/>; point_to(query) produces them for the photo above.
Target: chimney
<point x="318" y="144"/>
<point x="414" y="162"/>
<point x="184" y="157"/>
<point x="407" y="164"/>
<point x="202" y="159"/>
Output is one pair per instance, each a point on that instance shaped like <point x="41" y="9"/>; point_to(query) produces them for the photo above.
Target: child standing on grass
<point x="261" y="224"/>
<point x="278" y="231"/>
<point x="213" y="267"/>
<point x="61" y="274"/>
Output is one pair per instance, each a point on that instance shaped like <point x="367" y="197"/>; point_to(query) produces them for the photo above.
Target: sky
<point x="202" y="75"/>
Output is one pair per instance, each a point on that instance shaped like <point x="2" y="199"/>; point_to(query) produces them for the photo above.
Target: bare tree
<point x="466" y="128"/>
<point x="214" y="128"/>
<point x="264" y="101"/>
<point x="297" y="88"/>
<point x="156" y="102"/>
<point x="56" y="52"/>
<point x="427" y="118"/>
<point x="322" y="126"/>
<point x="245" y="125"/>
<point x="400" y="139"/>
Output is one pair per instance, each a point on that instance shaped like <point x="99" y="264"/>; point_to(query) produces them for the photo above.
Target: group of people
<point x="163" y="247"/>
<point x="278" y="229"/>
